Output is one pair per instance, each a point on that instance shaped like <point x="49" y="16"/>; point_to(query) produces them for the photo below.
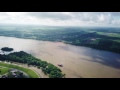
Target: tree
<point x="0" y="70"/>
<point x="64" y="75"/>
<point x="21" y="74"/>
<point x="7" y="49"/>
<point x="38" y="67"/>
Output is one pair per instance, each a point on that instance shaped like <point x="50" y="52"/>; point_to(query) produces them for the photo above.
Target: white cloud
<point x="62" y="18"/>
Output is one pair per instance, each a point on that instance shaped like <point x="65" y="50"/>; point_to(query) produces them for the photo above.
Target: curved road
<point x="36" y="71"/>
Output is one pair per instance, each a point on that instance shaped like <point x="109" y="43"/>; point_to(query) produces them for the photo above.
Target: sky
<point x="102" y="19"/>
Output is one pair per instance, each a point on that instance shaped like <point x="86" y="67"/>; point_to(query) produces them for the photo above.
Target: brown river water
<point x="78" y="62"/>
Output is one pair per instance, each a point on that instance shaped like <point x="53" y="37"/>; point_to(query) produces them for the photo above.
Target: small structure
<point x="13" y="74"/>
<point x="13" y="70"/>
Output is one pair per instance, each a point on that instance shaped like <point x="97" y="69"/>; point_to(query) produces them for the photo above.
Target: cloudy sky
<point x="62" y="18"/>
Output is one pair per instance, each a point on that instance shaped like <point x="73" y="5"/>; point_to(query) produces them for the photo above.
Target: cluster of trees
<point x="101" y="42"/>
<point x="23" y="57"/>
<point x="7" y="49"/>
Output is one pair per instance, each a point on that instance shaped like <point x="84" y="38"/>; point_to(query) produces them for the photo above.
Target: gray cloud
<point x="62" y="18"/>
<point x="50" y="15"/>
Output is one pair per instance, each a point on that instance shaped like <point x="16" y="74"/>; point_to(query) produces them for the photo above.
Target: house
<point x="14" y="74"/>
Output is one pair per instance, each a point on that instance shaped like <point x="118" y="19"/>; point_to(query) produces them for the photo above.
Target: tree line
<point x="7" y="49"/>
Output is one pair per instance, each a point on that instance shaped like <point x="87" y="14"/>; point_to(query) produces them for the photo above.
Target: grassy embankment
<point x="3" y="70"/>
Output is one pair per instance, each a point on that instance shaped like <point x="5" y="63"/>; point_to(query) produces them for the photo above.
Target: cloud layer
<point x="62" y="18"/>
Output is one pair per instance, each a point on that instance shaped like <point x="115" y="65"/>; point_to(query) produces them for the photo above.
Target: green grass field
<point x="29" y="72"/>
<point x="3" y="70"/>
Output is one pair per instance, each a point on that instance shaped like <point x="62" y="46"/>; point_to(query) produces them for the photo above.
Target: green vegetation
<point x="3" y="70"/>
<point x="7" y="49"/>
<point x="99" y="38"/>
<point x="29" y="72"/>
<point x="23" y="57"/>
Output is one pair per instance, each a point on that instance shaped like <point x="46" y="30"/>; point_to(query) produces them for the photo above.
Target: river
<point x="78" y="62"/>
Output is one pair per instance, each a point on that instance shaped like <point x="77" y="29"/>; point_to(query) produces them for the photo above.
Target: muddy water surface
<point x="78" y="62"/>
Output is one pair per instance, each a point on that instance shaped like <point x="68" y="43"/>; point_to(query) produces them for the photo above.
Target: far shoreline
<point x="61" y="42"/>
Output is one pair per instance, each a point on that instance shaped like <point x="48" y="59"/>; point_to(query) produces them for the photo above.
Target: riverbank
<point x="109" y="41"/>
